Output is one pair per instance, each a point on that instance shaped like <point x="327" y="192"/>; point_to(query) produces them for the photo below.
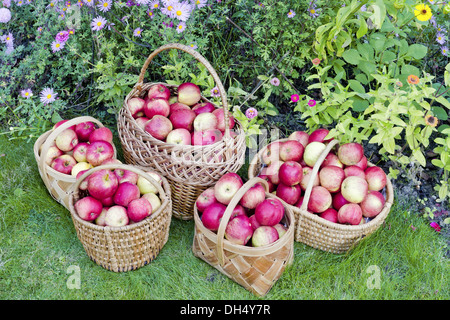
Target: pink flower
<point x="250" y="113"/>
<point x="215" y="92"/>
<point x="295" y="97"/>
<point x="316" y="61"/>
<point x="312" y="103"/>
<point x="435" y="226"/>
<point x="62" y="36"/>
<point x="275" y="81"/>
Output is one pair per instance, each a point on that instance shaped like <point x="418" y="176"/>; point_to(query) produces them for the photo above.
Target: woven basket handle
<point x="315" y="170"/>
<point x="140" y="172"/>
<point x="52" y="137"/>
<point x="203" y="61"/>
<point x="227" y="214"/>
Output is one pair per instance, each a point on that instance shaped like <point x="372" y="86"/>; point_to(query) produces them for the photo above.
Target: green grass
<point x="38" y="247"/>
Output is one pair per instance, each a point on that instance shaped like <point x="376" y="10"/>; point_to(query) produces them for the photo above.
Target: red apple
<point x="354" y="171"/>
<point x="178" y="106"/>
<point x="206" y="137"/>
<point x="300" y="136"/>
<point x="376" y="178"/>
<point x="219" y="113"/>
<point x="330" y="214"/>
<point x="124" y="175"/>
<point x="205" y="121"/>
<point x="98" y="152"/>
<point x="116" y="216"/>
<point x="227" y="186"/>
<point x="159" y="127"/>
<point x="61" y="122"/>
<point x="158" y="91"/>
<point x="101" y="134"/>
<point x="205" y="199"/>
<point x="264" y="235"/>
<point x="126" y="192"/>
<point x="307" y="174"/>
<point x="350" y="214"/>
<point x="212" y="215"/>
<point x="84" y="130"/>
<point x="52" y="153"/>
<point x="179" y="136"/>
<point x="319" y="200"/>
<point x="238" y="211"/>
<point x="203" y="107"/>
<point x="64" y="163"/>
<point x="66" y="140"/>
<point x="350" y="153"/>
<point x="319" y="135"/>
<point x="102" y="184"/>
<point x="291" y="150"/>
<point x="269" y="212"/>
<point x="339" y="201"/>
<point x="79" y="152"/>
<point x="273" y="171"/>
<point x="239" y="230"/>
<point x="84" y="184"/>
<point x="271" y="185"/>
<point x="271" y="153"/>
<point x="372" y="204"/>
<point x="142" y="121"/>
<point x="290" y="173"/>
<point x="312" y="152"/>
<point x="88" y="208"/>
<point x="253" y="196"/>
<point x="253" y="222"/>
<point x="136" y="107"/>
<point x="362" y="163"/>
<point x="154" y="200"/>
<point x="289" y="194"/>
<point x="189" y="93"/>
<point x="107" y="202"/>
<point x="299" y="202"/>
<point x="332" y="160"/>
<point x="183" y="119"/>
<point x="157" y="107"/>
<point x="354" y="189"/>
<point x="139" y="209"/>
<point x="281" y="229"/>
<point x="331" y="178"/>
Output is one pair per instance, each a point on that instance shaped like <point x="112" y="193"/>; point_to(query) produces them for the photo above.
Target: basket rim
<point x="165" y="204"/>
<point x="251" y="251"/>
<point x="333" y="225"/>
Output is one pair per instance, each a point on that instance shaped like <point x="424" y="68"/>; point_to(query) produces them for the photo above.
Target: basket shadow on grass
<point x="38" y="244"/>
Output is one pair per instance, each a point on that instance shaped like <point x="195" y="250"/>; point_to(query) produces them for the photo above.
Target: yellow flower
<point x="423" y="12"/>
<point x="431" y="121"/>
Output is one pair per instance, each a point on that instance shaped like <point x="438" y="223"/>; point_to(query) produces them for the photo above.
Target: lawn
<point x="40" y="256"/>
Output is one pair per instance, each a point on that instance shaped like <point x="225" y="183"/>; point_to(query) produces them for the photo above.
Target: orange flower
<point x="413" y="79"/>
<point x="431" y="121"/>
<point x="316" y="61"/>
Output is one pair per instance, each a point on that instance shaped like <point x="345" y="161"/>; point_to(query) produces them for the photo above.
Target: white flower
<point x="5" y="15"/>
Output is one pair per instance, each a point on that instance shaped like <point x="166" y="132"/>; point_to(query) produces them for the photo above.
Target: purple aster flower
<point x="250" y="113"/>
<point x="200" y="3"/>
<point x="104" y="5"/>
<point x="57" y="46"/>
<point x="48" y="95"/>
<point x="154" y="5"/>
<point x="215" y="92"/>
<point x="137" y="32"/>
<point x="444" y="50"/>
<point x="182" y="10"/>
<point x="181" y="27"/>
<point x="9" y="49"/>
<point x="193" y="45"/>
<point x="98" y="23"/>
<point x="5" y="15"/>
<point x="291" y="14"/>
<point x="440" y="38"/>
<point x="275" y="81"/>
<point x="168" y="9"/>
<point x="89" y="3"/>
<point x="313" y="11"/>
<point x="8" y="39"/>
<point x="27" y="93"/>
<point x="150" y="14"/>
<point x="62" y="36"/>
<point x="7" y="3"/>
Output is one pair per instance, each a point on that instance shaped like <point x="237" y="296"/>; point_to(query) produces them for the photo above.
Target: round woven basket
<point x="322" y="234"/>
<point x="130" y="247"/>
<point x="255" y="268"/>
<point x="58" y="184"/>
<point x="190" y="169"/>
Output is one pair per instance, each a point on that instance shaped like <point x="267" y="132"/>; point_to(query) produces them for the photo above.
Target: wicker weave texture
<point x="322" y="234"/>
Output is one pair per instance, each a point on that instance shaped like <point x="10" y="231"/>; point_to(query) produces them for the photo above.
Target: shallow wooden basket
<point x="189" y="169"/>
<point x="130" y="247"/>
<point x="322" y="234"/>
<point x="255" y="268"/>
<point x="58" y="184"/>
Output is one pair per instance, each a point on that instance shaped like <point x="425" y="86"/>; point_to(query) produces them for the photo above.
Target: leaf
<point x="362" y="28"/>
<point x="418" y="155"/>
<point x="351" y="56"/>
<point x="356" y="86"/>
<point x="440" y="113"/>
<point x="417" y="51"/>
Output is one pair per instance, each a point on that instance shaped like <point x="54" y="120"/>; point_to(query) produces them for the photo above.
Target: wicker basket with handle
<point x="57" y="183"/>
<point x="129" y="247"/>
<point x="317" y="232"/>
<point x="190" y="169"/>
<point x="255" y="268"/>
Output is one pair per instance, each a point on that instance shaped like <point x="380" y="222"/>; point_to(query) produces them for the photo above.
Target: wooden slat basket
<point x="257" y="269"/>
<point x="129" y="247"/>
<point x="317" y="232"/>
<point x="189" y="169"/>
<point x="57" y="183"/>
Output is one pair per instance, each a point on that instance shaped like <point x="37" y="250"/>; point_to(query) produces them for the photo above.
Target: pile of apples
<point x="345" y="190"/>
<point x="80" y="147"/>
<point x="117" y="197"/>
<point x="182" y="119"/>
<point x="256" y="220"/>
